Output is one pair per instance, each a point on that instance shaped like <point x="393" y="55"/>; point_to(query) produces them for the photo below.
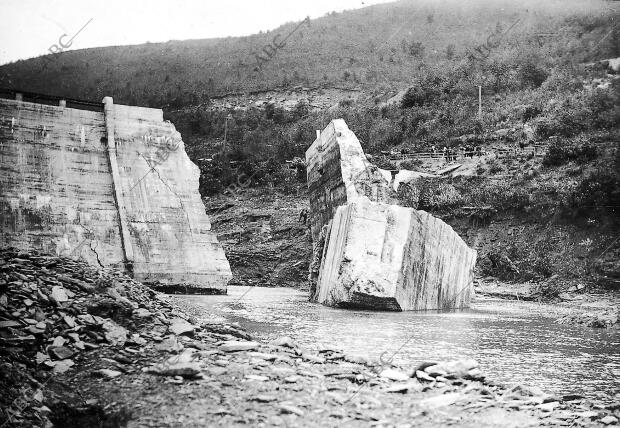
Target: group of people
<point x="450" y="154"/>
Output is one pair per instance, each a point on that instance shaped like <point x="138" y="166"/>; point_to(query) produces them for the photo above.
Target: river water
<point x="514" y="342"/>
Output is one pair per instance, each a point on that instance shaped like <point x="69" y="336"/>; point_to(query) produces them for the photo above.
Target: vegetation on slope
<point x="375" y="47"/>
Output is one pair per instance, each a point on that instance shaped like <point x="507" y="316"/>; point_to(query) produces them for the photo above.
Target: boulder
<point x="61" y="352"/>
<point x="179" y="327"/>
<point x="114" y="333"/>
<point x="59" y="295"/>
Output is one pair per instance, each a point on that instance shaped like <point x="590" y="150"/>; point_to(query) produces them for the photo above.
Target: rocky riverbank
<point x="87" y="347"/>
<point x="576" y="305"/>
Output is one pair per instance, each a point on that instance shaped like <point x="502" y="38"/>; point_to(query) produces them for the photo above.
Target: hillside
<point x="375" y="48"/>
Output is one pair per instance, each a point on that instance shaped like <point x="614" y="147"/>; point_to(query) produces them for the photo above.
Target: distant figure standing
<point x="303" y="216"/>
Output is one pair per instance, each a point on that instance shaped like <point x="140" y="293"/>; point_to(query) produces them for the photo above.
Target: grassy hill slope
<point x="378" y="46"/>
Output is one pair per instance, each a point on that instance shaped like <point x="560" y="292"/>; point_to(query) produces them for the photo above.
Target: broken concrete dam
<point x="107" y="183"/>
<point x="111" y="184"/>
<point x="369" y="252"/>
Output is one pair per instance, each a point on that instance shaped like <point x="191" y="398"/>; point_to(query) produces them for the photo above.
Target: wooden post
<point x="479" y="102"/>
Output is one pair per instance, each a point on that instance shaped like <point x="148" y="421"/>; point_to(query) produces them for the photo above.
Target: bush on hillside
<point x="561" y="152"/>
<point x="531" y="74"/>
<point x="598" y="192"/>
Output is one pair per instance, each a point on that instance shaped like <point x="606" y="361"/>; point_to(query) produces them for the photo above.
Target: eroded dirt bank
<point x="265" y="236"/>
<point x="86" y="347"/>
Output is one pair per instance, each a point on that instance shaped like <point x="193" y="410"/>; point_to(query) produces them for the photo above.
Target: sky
<point x="32" y="27"/>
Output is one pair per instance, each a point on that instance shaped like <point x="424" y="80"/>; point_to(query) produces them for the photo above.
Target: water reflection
<point x="514" y="342"/>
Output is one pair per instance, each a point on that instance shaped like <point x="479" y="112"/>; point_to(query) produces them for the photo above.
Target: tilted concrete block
<point x="380" y="256"/>
<point x="373" y="254"/>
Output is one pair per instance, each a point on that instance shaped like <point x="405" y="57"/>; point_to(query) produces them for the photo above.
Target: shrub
<point x="531" y="75"/>
<point x="561" y="152"/>
<point x="215" y="176"/>
<point x="598" y="191"/>
<point x="384" y="135"/>
<point x="415" y="96"/>
<point x="437" y="194"/>
<point x="411" y="164"/>
<point x="495" y="166"/>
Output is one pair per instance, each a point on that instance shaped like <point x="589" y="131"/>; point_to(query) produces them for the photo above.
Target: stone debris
<point x="376" y="255"/>
<point x="114" y="333"/>
<point x="289" y="408"/>
<point x="58" y="295"/>
<point x="170" y="344"/>
<point x="467" y="369"/>
<point x="235" y="346"/>
<point x="441" y="400"/>
<point x="187" y="370"/>
<point x="61" y="352"/>
<point x="392" y="374"/>
<point x="283" y="341"/>
<point x="179" y="326"/>
<point x="107" y="373"/>
<point x="54" y="310"/>
<point x="265" y="398"/>
<point x="609" y="420"/>
<point x="405" y="387"/>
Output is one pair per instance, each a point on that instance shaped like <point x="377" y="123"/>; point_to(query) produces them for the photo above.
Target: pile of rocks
<point x="53" y="310"/>
<point x="603" y="319"/>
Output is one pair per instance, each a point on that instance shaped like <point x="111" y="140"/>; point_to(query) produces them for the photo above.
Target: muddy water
<point x="514" y="342"/>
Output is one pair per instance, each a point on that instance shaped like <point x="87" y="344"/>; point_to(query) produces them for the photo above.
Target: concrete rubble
<point x="368" y="252"/>
<point x="111" y="185"/>
<point x="59" y="366"/>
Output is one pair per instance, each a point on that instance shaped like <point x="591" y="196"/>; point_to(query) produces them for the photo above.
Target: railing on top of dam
<point x="52" y="100"/>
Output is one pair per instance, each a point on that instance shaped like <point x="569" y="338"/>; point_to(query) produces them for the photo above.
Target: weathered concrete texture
<point x="55" y="183"/>
<point x="376" y="255"/>
<point x="338" y="172"/>
<point x="115" y="189"/>
<point x="170" y="233"/>
<point x="381" y="256"/>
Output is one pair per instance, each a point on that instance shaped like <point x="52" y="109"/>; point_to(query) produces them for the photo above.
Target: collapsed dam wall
<point x="369" y="252"/>
<point x="112" y="186"/>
